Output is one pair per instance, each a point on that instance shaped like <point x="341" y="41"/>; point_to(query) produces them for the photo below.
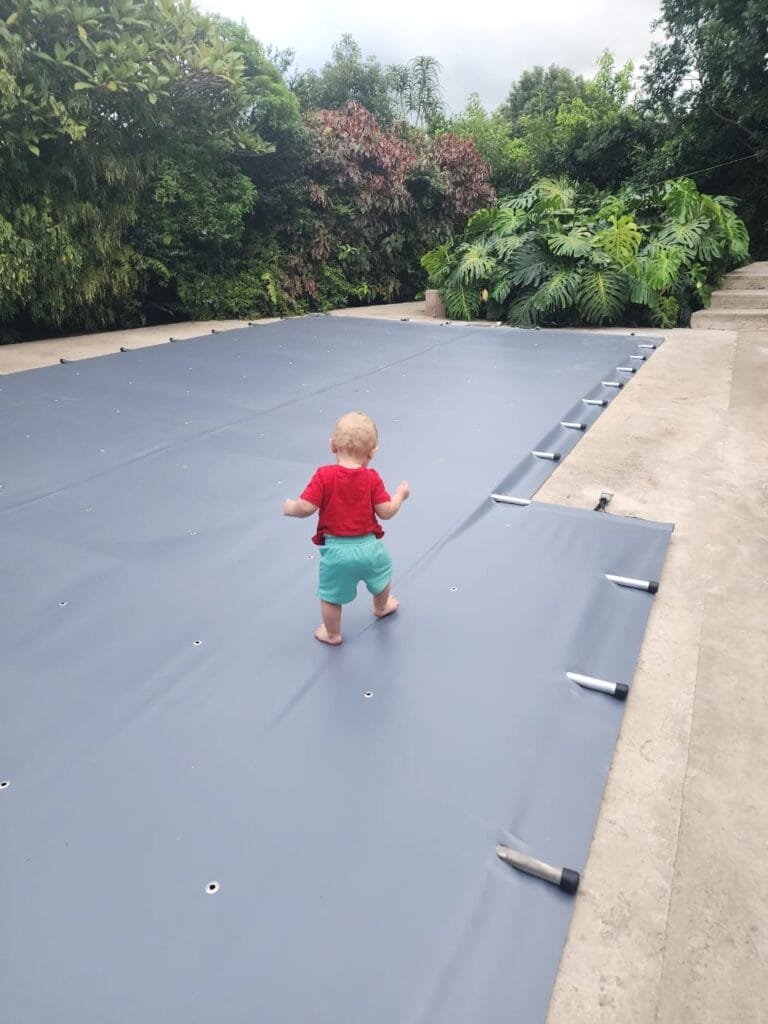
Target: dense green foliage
<point x="564" y="255"/>
<point x="707" y="87"/>
<point x="555" y="123"/>
<point x="159" y="164"/>
<point x="154" y="165"/>
<point x="409" y="93"/>
<point x="119" y="122"/>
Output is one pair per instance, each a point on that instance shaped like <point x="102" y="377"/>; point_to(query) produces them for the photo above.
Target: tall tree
<point x="589" y="129"/>
<point x="347" y="76"/>
<point x="426" y="100"/>
<point x="91" y="94"/>
<point x="129" y="131"/>
<point x="709" y="80"/>
<point x="539" y="90"/>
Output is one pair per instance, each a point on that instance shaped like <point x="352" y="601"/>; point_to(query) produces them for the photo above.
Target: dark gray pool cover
<point x="168" y="721"/>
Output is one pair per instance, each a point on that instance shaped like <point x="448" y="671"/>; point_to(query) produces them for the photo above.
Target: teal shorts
<point x="347" y="561"/>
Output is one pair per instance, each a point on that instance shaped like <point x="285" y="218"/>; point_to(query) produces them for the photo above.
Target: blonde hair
<point x="356" y="434"/>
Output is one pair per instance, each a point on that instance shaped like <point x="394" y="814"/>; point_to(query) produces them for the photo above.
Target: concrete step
<point x="733" y="299"/>
<point x="740" y="281"/>
<point x="730" y="320"/>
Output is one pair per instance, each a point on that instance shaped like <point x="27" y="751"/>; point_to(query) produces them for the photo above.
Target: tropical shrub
<point x="126" y="133"/>
<point x="375" y="196"/>
<point x="563" y="254"/>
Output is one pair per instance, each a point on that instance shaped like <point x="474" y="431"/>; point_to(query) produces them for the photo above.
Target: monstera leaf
<point x="602" y="295"/>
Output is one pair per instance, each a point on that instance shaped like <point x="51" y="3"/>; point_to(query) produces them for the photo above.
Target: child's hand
<point x="298" y="507"/>
<point x="403" y="491"/>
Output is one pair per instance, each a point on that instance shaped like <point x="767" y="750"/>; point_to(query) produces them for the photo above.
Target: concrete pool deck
<point x="671" y="922"/>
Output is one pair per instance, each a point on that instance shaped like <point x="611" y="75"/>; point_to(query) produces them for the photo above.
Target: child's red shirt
<point x="345" y="498"/>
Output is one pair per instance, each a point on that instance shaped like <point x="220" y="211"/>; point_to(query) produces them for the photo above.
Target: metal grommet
<point x="212" y="887"/>
<point x="4" y="784"/>
<point x="197" y="643"/>
<point x="454" y="589"/>
<point x="63" y="604"/>
<point x="368" y="694"/>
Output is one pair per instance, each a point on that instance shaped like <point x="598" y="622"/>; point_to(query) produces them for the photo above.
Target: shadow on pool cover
<point x="210" y="817"/>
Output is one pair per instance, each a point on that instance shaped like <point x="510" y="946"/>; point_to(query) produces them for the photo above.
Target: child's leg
<point x="330" y="631"/>
<point x="384" y="603"/>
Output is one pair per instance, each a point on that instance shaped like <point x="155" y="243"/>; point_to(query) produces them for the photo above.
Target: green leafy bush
<point x="563" y="254"/>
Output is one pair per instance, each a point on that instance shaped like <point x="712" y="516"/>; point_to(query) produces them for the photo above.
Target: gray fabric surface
<point x="352" y="837"/>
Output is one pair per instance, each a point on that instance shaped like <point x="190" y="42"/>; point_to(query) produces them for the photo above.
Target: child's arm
<point x="299" y="508"/>
<point x="390" y="508"/>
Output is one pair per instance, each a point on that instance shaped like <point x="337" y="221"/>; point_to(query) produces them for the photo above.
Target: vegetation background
<point x="157" y="164"/>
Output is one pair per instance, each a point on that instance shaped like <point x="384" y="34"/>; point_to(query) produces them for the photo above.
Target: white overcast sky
<point x="483" y="47"/>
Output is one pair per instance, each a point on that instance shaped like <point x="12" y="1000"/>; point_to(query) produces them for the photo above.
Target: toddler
<point x="350" y="496"/>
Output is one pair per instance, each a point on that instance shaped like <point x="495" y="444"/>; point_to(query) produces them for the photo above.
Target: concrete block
<point x="434" y="303"/>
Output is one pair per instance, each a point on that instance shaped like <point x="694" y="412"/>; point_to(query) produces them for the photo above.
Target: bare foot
<point x="392" y="604"/>
<point x="322" y="634"/>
